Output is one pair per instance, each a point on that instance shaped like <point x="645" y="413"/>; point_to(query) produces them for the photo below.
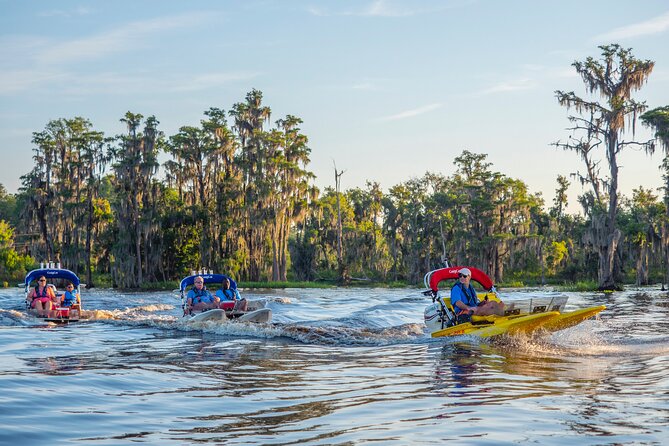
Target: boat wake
<point x="406" y="333"/>
<point x="590" y="338"/>
<point x="14" y="318"/>
<point x="128" y="314"/>
<point x="307" y="333"/>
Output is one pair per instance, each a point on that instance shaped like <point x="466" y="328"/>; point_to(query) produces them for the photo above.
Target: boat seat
<point x="491" y="296"/>
<point x="476" y="320"/>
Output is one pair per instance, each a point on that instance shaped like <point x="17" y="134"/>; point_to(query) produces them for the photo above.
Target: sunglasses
<point x="462" y="275"/>
<point x="201" y="283"/>
<point x="42" y="280"/>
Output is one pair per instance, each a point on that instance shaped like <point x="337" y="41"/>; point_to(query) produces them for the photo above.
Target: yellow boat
<point x="522" y="316"/>
<point x="571" y="318"/>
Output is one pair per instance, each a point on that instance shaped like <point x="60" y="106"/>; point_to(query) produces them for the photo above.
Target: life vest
<point x="198" y="294"/>
<point x="229" y="294"/>
<point x="70" y="299"/>
<point x="469" y="293"/>
<point x="37" y="294"/>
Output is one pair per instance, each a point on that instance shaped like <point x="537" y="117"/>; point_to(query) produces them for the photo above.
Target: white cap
<point x="465" y="272"/>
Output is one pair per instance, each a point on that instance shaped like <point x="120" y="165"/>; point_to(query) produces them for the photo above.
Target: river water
<point x="335" y="367"/>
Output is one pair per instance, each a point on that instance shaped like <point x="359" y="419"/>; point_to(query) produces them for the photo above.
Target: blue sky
<point x="387" y="89"/>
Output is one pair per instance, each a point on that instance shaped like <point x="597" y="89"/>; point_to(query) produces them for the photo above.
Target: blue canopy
<point x="51" y="274"/>
<point x="208" y="278"/>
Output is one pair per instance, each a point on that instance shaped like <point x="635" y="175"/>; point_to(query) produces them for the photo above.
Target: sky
<point x="387" y="89"/>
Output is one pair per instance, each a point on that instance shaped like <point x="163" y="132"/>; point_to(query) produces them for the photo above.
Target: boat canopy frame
<point x="433" y="278"/>
<point x="50" y="274"/>
<point x="208" y="278"/>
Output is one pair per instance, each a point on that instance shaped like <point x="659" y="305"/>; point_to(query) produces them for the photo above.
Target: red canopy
<point x="433" y="278"/>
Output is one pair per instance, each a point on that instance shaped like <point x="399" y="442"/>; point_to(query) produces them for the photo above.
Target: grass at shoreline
<point x="581" y="286"/>
<point x="104" y="282"/>
<point x="169" y="285"/>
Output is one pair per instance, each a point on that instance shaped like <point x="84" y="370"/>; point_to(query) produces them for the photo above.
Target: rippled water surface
<point x="337" y="366"/>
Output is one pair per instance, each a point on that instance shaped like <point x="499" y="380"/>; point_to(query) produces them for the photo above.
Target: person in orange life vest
<point x="199" y="298"/>
<point x="465" y="300"/>
<point x="230" y="298"/>
<point x="42" y="298"/>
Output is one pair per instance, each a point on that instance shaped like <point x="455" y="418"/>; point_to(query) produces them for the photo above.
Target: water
<point x="336" y="367"/>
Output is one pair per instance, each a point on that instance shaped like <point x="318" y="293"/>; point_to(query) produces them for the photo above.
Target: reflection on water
<point x="331" y="373"/>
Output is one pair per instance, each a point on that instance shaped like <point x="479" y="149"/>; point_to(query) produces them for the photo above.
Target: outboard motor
<point x="437" y="315"/>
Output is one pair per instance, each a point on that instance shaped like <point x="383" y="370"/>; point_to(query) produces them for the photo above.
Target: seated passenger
<point x="465" y="301"/>
<point x="71" y="299"/>
<point x="230" y="298"/>
<point x="42" y="298"/>
<point x="199" y="298"/>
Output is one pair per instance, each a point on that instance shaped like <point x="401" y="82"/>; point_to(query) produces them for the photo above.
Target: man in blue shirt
<point x="230" y="298"/>
<point x="465" y="300"/>
<point x="199" y="298"/>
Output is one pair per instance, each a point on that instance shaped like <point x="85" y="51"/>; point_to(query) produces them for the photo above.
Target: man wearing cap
<point x="465" y="300"/>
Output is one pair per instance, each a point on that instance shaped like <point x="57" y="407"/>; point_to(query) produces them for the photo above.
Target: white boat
<point x="55" y="277"/>
<point x="256" y="310"/>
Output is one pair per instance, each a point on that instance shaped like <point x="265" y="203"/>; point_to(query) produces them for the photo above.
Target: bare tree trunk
<point x="275" y="259"/>
<point x="607" y="255"/>
<point x="665" y="230"/>
<point x="642" y="266"/>
<point x="541" y="260"/>
<point x="89" y="232"/>
<point x="138" y="244"/>
<point x="283" y="249"/>
<point x="340" y="257"/>
<point x="41" y="215"/>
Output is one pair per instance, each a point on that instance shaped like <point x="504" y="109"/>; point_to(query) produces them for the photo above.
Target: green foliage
<point x="599" y="132"/>
<point x="12" y="264"/>
<point x="8" y="207"/>
<point x="580" y="286"/>
<point x="556" y="252"/>
<point x="168" y="285"/>
<point x="284" y="285"/>
<point x="658" y="119"/>
<point x="236" y="198"/>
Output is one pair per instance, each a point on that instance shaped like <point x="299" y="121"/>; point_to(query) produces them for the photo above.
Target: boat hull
<point x="261" y="316"/>
<point x="524" y="323"/>
<point x="499" y="326"/>
<point x="209" y="315"/>
<point x="571" y="318"/>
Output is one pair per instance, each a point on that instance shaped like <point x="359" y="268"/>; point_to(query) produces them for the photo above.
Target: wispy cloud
<point x="117" y="40"/>
<point x="390" y="8"/>
<point x="30" y="62"/>
<point x="383" y="8"/>
<point x="75" y="12"/>
<point x="16" y="51"/>
<point x="114" y="83"/>
<point x="206" y="81"/>
<point x="370" y="84"/>
<point x="503" y="87"/>
<point x="655" y="25"/>
<point x="12" y="81"/>
<point x="411" y="113"/>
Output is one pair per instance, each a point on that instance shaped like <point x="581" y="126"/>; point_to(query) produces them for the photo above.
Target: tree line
<point x="236" y="196"/>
